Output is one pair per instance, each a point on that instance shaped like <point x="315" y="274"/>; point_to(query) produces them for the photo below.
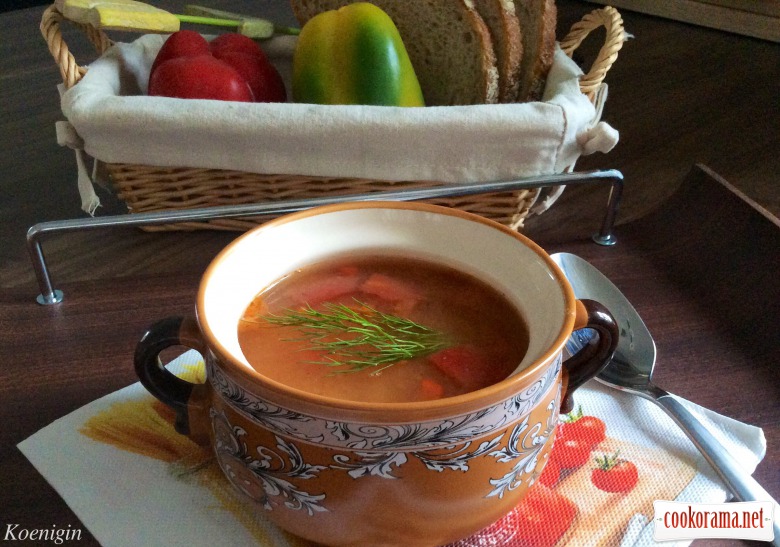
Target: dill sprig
<point x="361" y="337"/>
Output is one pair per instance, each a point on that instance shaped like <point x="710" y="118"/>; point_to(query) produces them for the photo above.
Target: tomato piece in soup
<point x="387" y="288"/>
<point x="431" y="389"/>
<point x="467" y="366"/>
<point x="326" y="289"/>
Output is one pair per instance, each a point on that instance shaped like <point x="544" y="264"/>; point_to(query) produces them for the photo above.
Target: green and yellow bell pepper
<point x="353" y="55"/>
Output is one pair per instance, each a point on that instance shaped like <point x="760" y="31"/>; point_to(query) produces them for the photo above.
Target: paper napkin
<point x="133" y="481"/>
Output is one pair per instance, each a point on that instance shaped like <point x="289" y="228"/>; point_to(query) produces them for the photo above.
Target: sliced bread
<point x="537" y="24"/>
<point x="448" y="43"/>
<point x="504" y="26"/>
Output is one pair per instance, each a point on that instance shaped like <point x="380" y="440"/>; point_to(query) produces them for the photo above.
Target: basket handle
<point x="610" y="19"/>
<point x="70" y="71"/>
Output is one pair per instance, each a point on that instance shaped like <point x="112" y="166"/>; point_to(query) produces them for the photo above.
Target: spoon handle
<point x="740" y="483"/>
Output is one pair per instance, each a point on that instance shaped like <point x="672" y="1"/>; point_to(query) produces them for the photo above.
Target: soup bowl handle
<point x="590" y="360"/>
<point x="185" y="398"/>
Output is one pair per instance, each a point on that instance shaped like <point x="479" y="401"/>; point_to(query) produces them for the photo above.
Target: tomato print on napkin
<point x="613" y="456"/>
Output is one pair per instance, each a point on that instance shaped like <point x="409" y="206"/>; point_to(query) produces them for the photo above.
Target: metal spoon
<point x="631" y="370"/>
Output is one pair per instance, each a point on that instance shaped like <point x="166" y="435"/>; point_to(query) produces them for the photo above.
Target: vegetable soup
<point x="383" y="328"/>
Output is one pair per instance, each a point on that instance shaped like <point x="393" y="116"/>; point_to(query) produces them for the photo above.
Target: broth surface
<point x="482" y="336"/>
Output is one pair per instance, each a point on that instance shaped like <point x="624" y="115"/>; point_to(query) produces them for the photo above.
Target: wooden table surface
<point x="679" y="95"/>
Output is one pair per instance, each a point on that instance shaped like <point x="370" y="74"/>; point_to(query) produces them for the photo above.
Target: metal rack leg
<point x="49" y="295"/>
<point x="605" y="235"/>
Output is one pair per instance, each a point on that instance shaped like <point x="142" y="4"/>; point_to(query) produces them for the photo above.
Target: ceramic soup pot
<point x="348" y="473"/>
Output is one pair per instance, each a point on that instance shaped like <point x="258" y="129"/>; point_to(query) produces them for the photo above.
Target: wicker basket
<point x="147" y="188"/>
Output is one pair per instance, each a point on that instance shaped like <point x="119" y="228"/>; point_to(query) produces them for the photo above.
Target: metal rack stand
<point x="49" y="295"/>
